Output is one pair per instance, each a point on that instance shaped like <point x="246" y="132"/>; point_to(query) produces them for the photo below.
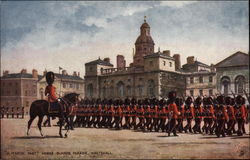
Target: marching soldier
<point x="133" y="112"/>
<point x="162" y="114"/>
<point x="147" y="114"/>
<point x="110" y="114"/>
<point x="2" y="111"/>
<point x="126" y="113"/>
<point x="22" y="112"/>
<point x="17" y="112"/>
<point x="188" y="114"/>
<point x="179" y="103"/>
<point x="198" y="115"/>
<point x="240" y="114"/>
<point x="12" y="112"/>
<point x="7" y="112"/>
<point x="221" y="116"/>
<point x="117" y="114"/>
<point x="231" y="115"/>
<point x="173" y="113"/>
<point x="140" y="115"/>
<point x="103" y="113"/>
<point x="154" y="114"/>
<point x="97" y="112"/>
<point x="208" y="114"/>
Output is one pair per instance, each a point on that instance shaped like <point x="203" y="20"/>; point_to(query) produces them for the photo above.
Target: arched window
<point x="151" y="89"/>
<point x="41" y="92"/>
<point x="239" y="84"/>
<point x="120" y="89"/>
<point x="104" y="92"/>
<point x="111" y="93"/>
<point x="90" y="90"/>
<point x="129" y="91"/>
<point x="225" y="85"/>
<point x="140" y="90"/>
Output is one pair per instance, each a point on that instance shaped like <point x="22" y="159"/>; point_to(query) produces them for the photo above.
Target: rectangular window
<point x="210" y="79"/>
<point x="201" y="79"/>
<point x="26" y="93"/>
<point x="201" y="92"/>
<point x="164" y="63"/>
<point x="170" y="64"/>
<point x="77" y="86"/>
<point x="64" y="85"/>
<point x="70" y="85"/>
<point x="27" y="103"/>
<point x="210" y="92"/>
<point x="191" y="80"/>
<point x="151" y="63"/>
<point x="191" y="92"/>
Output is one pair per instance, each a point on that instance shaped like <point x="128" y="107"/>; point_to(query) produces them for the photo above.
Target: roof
<point x="145" y="25"/>
<point x="100" y="62"/>
<point x="68" y="77"/>
<point x="19" y="75"/>
<point x="144" y="39"/>
<point x="236" y="59"/>
<point x="196" y="63"/>
<point x="158" y="54"/>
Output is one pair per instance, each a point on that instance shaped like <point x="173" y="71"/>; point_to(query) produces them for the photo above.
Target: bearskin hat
<point x="179" y="101"/>
<point x="239" y="100"/>
<point x="50" y="77"/>
<point x="220" y="99"/>
<point x="228" y="100"/>
<point x="189" y="101"/>
<point x="198" y="101"/>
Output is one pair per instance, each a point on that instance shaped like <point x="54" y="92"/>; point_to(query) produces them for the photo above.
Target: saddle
<point x="55" y="107"/>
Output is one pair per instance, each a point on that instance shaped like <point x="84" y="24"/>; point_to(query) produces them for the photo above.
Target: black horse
<point x="40" y="108"/>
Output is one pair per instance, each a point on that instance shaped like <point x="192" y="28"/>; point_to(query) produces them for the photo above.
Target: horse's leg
<point x="39" y="124"/>
<point x="29" y="124"/>
<point x="60" y="127"/>
<point x="67" y="122"/>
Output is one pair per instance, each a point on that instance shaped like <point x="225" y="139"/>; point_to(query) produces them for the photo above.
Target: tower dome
<point x="144" y="44"/>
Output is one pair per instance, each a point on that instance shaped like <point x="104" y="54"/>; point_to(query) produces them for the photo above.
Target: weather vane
<point x="145" y="18"/>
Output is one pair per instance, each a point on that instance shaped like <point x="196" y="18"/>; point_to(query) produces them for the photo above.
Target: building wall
<point x="63" y="86"/>
<point x="196" y="86"/>
<point x="18" y="92"/>
<point x="232" y="73"/>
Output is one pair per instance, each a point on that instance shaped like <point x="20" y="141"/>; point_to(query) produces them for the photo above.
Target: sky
<point x="46" y="35"/>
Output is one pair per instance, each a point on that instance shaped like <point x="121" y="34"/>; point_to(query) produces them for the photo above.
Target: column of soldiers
<point x="220" y="115"/>
<point x="10" y="112"/>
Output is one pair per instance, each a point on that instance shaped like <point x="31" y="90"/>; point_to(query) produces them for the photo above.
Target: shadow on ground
<point x="35" y="137"/>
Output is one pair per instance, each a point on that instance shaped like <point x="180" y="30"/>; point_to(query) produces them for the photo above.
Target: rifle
<point x="232" y="93"/>
<point x="246" y="96"/>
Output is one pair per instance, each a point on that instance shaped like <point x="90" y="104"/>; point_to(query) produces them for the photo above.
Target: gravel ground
<point x="91" y="143"/>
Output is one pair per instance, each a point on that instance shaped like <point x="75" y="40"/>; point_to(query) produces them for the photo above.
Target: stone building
<point x="19" y="89"/>
<point x="152" y="74"/>
<point x="200" y="78"/>
<point x="64" y="84"/>
<point x="233" y="74"/>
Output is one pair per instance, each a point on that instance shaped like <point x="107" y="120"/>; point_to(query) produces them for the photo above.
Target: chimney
<point x="177" y="61"/>
<point x="74" y="73"/>
<point x="78" y="74"/>
<point x="44" y="72"/>
<point x="34" y="73"/>
<point x="64" y="72"/>
<point x="190" y="60"/>
<point x="212" y="67"/>
<point x="120" y="61"/>
<point x="166" y="52"/>
<point x="23" y="71"/>
<point x="5" y="72"/>
<point x="107" y="59"/>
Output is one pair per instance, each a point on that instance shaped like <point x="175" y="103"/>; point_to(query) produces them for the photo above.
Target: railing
<point x="121" y="70"/>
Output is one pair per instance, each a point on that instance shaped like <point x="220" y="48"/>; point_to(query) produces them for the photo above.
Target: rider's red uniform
<point x="51" y="90"/>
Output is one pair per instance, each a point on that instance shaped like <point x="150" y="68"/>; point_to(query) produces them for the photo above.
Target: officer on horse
<point x="50" y="91"/>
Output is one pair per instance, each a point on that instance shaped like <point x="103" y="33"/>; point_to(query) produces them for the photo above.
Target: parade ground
<point x="92" y="143"/>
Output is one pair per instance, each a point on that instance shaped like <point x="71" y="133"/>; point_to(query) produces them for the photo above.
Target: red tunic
<point x="174" y="110"/>
<point x="51" y="90"/>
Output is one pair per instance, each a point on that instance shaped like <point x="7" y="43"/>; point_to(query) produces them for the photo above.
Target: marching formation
<point x="221" y="115"/>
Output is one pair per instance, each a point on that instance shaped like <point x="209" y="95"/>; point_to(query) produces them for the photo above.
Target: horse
<point x="40" y="108"/>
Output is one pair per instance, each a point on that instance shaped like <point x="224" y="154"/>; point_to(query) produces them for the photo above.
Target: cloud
<point x="71" y="33"/>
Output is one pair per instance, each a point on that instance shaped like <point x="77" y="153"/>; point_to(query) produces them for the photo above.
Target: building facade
<point x="233" y="74"/>
<point x="64" y="84"/>
<point x="152" y="74"/>
<point x="19" y="89"/>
